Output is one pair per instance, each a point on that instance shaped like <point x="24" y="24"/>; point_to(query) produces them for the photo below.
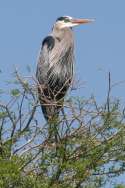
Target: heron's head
<point x="67" y="21"/>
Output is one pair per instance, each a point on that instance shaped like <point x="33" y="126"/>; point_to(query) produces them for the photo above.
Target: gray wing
<point x="44" y="59"/>
<point x="44" y="63"/>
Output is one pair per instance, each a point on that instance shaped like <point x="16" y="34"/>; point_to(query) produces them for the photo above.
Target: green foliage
<point x="82" y="149"/>
<point x="15" y="92"/>
<point x="9" y="172"/>
<point x="3" y="115"/>
<point x="120" y="186"/>
<point x="11" y="175"/>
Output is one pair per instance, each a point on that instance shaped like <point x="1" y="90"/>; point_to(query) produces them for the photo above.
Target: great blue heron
<point x="55" y="65"/>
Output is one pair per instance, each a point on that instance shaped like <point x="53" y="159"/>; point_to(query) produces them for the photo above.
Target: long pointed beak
<point x="81" y="21"/>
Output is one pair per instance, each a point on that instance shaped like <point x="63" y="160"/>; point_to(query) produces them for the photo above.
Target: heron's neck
<point x="63" y="34"/>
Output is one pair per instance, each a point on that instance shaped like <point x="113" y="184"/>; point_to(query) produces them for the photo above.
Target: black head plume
<point x="64" y="18"/>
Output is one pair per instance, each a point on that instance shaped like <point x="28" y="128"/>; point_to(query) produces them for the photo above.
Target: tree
<point x="87" y="146"/>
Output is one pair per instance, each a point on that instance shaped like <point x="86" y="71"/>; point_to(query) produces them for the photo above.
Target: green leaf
<point x="15" y="92"/>
<point x="3" y="115"/>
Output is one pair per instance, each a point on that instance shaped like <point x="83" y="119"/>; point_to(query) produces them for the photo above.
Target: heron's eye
<point x="66" y="20"/>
